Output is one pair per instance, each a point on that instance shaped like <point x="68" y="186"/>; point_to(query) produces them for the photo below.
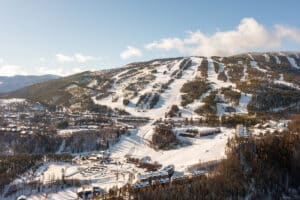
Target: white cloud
<point x="74" y="58"/>
<point x="249" y="35"/>
<point x="60" y="71"/>
<point x="166" y="44"/>
<point x="131" y="52"/>
<point x="63" y="58"/>
<point x="11" y="70"/>
<point x="288" y="32"/>
<point x="82" y="59"/>
<point x="42" y="59"/>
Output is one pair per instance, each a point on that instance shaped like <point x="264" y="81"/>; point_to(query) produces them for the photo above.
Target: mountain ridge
<point x="11" y="83"/>
<point x="267" y="75"/>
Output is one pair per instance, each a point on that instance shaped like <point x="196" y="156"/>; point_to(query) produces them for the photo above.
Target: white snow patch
<point x="67" y="194"/>
<point x="250" y="56"/>
<point x="267" y="57"/>
<point x="255" y="65"/>
<point x="72" y="86"/>
<point x="213" y="77"/>
<point x="198" y="102"/>
<point x="293" y="62"/>
<point x="221" y="67"/>
<point x="93" y="83"/>
<point x="10" y="101"/>
<point x="283" y="82"/>
<point x="243" y="103"/>
<point x="278" y="61"/>
<point x="202" y="149"/>
<point x="245" y="73"/>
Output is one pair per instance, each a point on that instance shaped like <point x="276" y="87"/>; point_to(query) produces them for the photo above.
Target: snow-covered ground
<point x="137" y="144"/>
<point x="67" y="194"/>
<point x="270" y="127"/>
<point x="277" y="60"/>
<point x="208" y="148"/>
<point x="169" y="97"/>
<point x="283" y="82"/>
<point x="91" y="173"/>
<point x="255" y="65"/>
<point x="213" y="76"/>
<point x="198" y="149"/>
<point x="243" y="103"/>
<point x="9" y="101"/>
<point x="293" y="62"/>
<point x="201" y="149"/>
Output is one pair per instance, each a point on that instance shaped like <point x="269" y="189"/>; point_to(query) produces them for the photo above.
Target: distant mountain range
<point x="11" y="83"/>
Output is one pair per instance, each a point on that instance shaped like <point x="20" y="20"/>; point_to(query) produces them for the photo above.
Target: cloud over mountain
<point x="74" y="58"/>
<point x="130" y="52"/>
<point x="249" y="35"/>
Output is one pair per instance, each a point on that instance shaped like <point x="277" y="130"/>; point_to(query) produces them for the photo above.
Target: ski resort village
<point x="155" y="124"/>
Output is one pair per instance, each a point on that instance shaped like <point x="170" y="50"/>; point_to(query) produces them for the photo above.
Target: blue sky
<point x="64" y="36"/>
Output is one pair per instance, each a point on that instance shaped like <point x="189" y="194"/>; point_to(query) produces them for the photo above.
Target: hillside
<point x="11" y="83"/>
<point x="189" y="112"/>
<point x="252" y="82"/>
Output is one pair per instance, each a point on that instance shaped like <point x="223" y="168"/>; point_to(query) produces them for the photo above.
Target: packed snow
<point x="255" y="65"/>
<point x="293" y="62"/>
<point x="213" y="76"/>
<point x="283" y="82"/>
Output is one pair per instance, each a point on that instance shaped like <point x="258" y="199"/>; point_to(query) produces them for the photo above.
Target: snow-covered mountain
<point x="11" y="83"/>
<point x="202" y="100"/>
<point x="252" y="82"/>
